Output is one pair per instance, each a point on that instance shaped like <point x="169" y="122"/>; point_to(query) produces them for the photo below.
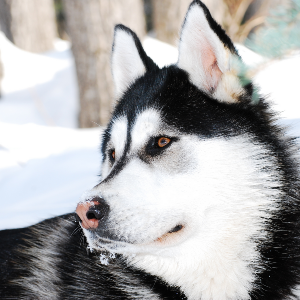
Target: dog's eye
<point x="112" y="155"/>
<point x="157" y="145"/>
<point x="163" y="141"/>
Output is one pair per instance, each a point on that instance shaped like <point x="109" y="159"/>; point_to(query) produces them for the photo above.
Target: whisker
<point x="76" y="230"/>
<point x="96" y="123"/>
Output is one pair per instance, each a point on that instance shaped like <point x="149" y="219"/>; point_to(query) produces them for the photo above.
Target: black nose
<point x="99" y="210"/>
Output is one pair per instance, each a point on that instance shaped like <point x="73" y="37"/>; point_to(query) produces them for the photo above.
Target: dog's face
<point x="184" y="173"/>
<point x="165" y="188"/>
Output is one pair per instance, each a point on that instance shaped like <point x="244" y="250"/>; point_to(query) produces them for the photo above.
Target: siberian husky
<point x="199" y="192"/>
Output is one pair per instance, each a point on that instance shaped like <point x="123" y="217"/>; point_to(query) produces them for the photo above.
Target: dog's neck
<point x="228" y="274"/>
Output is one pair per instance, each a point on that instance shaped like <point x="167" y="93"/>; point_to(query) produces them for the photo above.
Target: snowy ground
<point x="45" y="162"/>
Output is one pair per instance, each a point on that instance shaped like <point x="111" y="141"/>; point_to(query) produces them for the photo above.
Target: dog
<point x="199" y="191"/>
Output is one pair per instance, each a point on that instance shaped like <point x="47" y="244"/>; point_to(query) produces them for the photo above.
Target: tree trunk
<point x="90" y="25"/>
<point x="29" y="24"/>
<point x="168" y="16"/>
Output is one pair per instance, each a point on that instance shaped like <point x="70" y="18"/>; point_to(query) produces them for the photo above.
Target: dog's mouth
<point x="99" y="242"/>
<point x="170" y="234"/>
<point x="176" y="228"/>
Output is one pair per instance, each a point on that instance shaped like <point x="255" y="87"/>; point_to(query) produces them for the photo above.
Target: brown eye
<point x="112" y="155"/>
<point x="157" y="145"/>
<point x="163" y="141"/>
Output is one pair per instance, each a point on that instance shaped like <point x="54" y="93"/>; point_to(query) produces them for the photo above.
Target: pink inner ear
<point x="210" y="66"/>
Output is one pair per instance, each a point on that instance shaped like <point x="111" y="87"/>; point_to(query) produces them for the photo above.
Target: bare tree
<point x="237" y="17"/>
<point x="168" y="16"/>
<point x="29" y="24"/>
<point x="243" y="16"/>
<point x="90" y="25"/>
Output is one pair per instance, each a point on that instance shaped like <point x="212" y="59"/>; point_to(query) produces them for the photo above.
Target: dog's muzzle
<point x="89" y="213"/>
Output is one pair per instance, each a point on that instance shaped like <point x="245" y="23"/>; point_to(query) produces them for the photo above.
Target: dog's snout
<point x="94" y="214"/>
<point x="91" y="212"/>
<point x="99" y="210"/>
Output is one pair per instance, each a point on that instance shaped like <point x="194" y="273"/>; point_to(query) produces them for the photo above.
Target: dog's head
<point x="186" y="176"/>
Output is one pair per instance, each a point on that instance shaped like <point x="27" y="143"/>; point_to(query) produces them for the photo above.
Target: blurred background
<point x="56" y="84"/>
<point x="35" y="25"/>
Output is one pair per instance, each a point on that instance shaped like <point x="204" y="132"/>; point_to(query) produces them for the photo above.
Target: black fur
<point x="80" y="275"/>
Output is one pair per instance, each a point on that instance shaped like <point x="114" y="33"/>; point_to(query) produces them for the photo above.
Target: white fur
<point x="226" y="206"/>
<point x="198" y="48"/>
<point x="146" y="125"/>
<point x="117" y="142"/>
<point x="127" y="65"/>
<point x="220" y="194"/>
<point x="296" y="292"/>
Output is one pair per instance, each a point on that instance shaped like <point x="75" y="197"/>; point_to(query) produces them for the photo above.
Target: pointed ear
<point x="129" y="59"/>
<point x="206" y="54"/>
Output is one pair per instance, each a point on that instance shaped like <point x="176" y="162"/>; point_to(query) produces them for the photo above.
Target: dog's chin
<point x="168" y="239"/>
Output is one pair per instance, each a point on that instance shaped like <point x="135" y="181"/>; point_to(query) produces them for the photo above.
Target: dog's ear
<point x="206" y="53"/>
<point x="129" y="59"/>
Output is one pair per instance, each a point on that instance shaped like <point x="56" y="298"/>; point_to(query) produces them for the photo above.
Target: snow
<point x="162" y="54"/>
<point x="38" y="89"/>
<point x="44" y="171"/>
<point x="46" y="162"/>
<point x="280" y="80"/>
